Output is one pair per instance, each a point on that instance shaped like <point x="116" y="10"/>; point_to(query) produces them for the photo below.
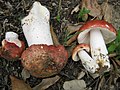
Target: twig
<point x="112" y="55"/>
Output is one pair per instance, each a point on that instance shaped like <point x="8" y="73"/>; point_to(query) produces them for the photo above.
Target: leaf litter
<point x="95" y="11"/>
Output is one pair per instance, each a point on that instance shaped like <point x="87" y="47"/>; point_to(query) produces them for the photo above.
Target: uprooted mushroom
<point x="12" y="47"/>
<point x="80" y="52"/>
<point x="97" y="33"/>
<point x="41" y="58"/>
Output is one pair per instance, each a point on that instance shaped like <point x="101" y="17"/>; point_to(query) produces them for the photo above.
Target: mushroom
<point x="80" y="52"/>
<point x="97" y="33"/>
<point x="36" y="26"/>
<point x="41" y="58"/>
<point x="12" y="47"/>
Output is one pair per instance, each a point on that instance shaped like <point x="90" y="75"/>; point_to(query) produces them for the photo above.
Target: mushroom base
<point x="88" y="63"/>
<point x="43" y="60"/>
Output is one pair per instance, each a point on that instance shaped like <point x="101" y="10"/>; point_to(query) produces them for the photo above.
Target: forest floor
<point x="11" y="13"/>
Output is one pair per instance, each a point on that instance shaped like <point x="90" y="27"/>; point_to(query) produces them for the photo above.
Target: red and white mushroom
<point x="80" y="52"/>
<point x="12" y="47"/>
<point x="41" y="58"/>
<point x="97" y="33"/>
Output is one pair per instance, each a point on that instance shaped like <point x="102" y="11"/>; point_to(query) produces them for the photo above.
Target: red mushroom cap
<point x="98" y="23"/>
<point x="79" y="48"/>
<point x="108" y="31"/>
<point x="43" y="60"/>
<point x="11" y="51"/>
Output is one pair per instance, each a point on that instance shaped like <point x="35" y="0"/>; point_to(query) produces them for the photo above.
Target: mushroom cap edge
<point x="79" y="48"/>
<point x="108" y="31"/>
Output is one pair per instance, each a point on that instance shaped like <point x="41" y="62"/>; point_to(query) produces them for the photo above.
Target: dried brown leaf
<point x="93" y="6"/>
<point x="70" y="41"/>
<point x="46" y="83"/>
<point x="114" y="64"/>
<point x="73" y="28"/>
<point x="75" y="85"/>
<point x="54" y="36"/>
<point x="81" y="75"/>
<point x="19" y="84"/>
<point x="25" y="74"/>
<point x="70" y="30"/>
<point x="117" y="62"/>
<point x="107" y="11"/>
<point x="110" y="81"/>
<point x="112" y="55"/>
<point x="101" y="83"/>
<point x="95" y="75"/>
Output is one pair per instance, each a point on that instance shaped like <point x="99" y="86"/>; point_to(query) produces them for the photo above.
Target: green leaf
<point x="70" y="36"/>
<point x="118" y="36"/>
<point x="83" y="12"/>
<point x="115" y="45"/>
<point x="111" y="48"/>
<point x="58" y="18"/>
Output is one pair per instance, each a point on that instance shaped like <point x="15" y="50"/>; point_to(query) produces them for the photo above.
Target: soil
<point x="11" y="13"/>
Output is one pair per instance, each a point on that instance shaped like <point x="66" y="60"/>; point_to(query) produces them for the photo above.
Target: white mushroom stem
<point x="36" y="26"/>
<point x="98" y="48"/>
<point x="88" y="63"/>
<point x="12" y="37"/>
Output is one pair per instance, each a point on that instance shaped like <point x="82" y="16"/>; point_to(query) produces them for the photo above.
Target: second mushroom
<point x="41" y="58"/>
<point x="97" y="33"/>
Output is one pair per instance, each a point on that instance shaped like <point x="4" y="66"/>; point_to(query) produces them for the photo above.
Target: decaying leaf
<point x="73" y="38"/>
<point x="95" y="75"/>
<point x="46" y="83"/>
<point x="118" y="63"/>
<point x="117" y="83"/>
<point x="81" y="74"/>
<point x="19" y="84"/>
<point x="73" y="28"/>
<point x="107" y="11"/>
<point x="114" y="64"/>
<point x="112" y="54"/>
<point x="70" y="30"/>
<point x="75" y="85"/>
<point x="101" y="83"/>
<point x="76" y="9"/>
<point x="25" y="74"/>
<point x="93" y="6"/>
<point x="54" y="36"/>
<point x="110" y="81"/>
